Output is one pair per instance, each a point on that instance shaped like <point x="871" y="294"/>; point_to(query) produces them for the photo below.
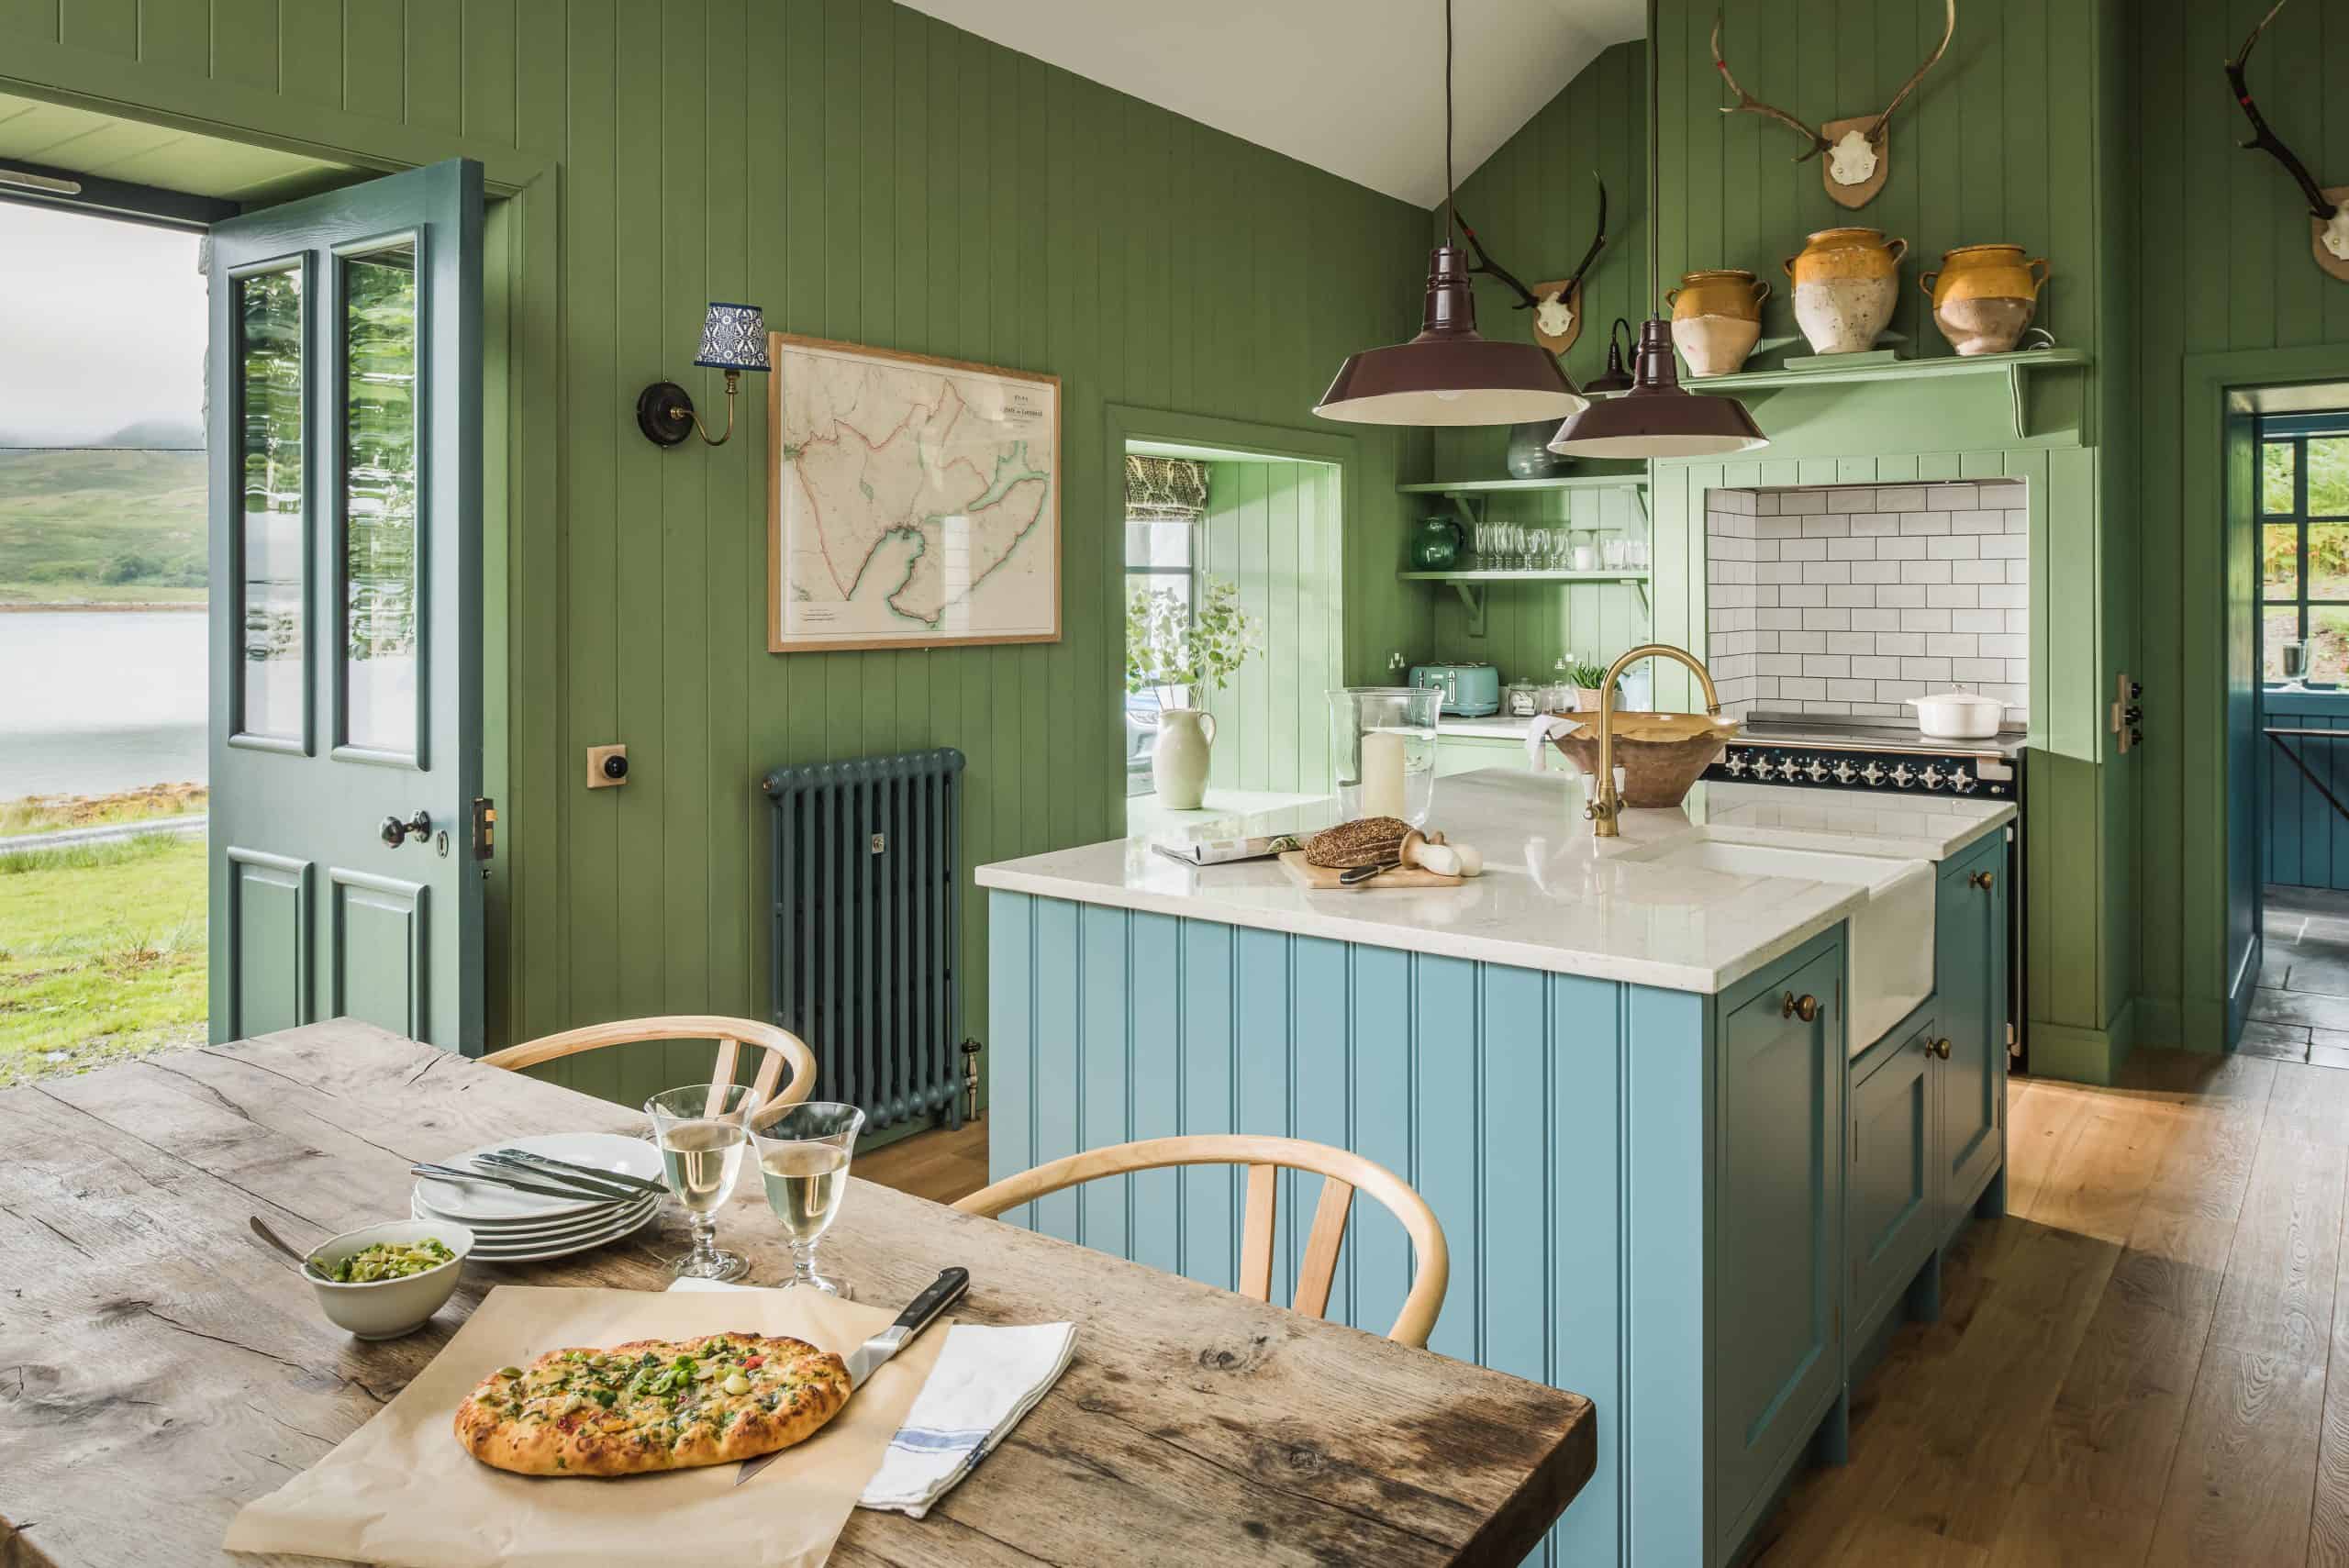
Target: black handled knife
<point x="919" y="1313"/>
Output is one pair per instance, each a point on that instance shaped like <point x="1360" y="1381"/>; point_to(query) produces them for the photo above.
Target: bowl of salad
<point x="382" y="1281"/>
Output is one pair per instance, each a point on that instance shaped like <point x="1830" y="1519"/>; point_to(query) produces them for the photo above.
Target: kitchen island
<point x="1622" y="1074"/>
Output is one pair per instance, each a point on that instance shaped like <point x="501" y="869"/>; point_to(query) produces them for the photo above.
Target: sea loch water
<point x="94" y="701"/>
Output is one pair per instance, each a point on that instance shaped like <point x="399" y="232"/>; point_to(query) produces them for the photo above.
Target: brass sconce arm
<point x="666" y="415"/>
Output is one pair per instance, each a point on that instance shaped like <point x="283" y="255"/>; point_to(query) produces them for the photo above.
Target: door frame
<point x="2212" y="1000"/>
<point x="525" y="403"/>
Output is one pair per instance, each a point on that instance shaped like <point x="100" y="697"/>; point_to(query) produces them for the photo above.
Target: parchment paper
<point x="401" y="1490"/>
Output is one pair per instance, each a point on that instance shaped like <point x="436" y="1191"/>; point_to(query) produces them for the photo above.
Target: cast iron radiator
<point x="867" y="955"/>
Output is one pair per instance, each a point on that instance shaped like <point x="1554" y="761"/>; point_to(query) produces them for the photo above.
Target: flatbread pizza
<point x="652" y="1404"/>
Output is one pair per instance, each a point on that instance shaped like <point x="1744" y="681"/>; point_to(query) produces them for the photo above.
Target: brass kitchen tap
<point x="1606" y="801"/>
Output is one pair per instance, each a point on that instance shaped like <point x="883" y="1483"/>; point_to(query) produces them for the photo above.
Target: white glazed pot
<point x="1958" y="716"/>
<point x="1178" y="758"/>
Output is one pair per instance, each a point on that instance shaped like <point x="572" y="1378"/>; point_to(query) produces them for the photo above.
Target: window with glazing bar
<point x="2304" y="548"/>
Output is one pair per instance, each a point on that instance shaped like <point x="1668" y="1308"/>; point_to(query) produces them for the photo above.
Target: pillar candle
<point x="1382" y="773"/>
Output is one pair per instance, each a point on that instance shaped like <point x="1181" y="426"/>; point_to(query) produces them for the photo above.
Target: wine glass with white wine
<point x="804" y="1152"/>
<point x="702" y="1131"/>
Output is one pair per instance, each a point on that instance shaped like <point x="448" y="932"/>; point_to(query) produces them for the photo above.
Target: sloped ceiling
<point x="1352" y="86"/>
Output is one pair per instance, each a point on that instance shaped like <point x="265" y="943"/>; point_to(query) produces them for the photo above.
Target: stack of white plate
<point x="514" y="1227"/>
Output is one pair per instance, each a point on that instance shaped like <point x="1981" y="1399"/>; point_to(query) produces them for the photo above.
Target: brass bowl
<point x="1660" y="753"/>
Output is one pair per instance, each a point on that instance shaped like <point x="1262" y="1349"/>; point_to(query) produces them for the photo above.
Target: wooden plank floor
<point x="2136" y="1366"/>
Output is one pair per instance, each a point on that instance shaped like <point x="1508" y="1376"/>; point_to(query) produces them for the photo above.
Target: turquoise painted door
<point x="345" y="413"/>
<point x="1889" y="1187"/>
<point x="1777" y="1284"/>
<point x="1970" y="997"/>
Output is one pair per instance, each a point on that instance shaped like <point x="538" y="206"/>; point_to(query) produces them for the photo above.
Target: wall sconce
<point x="733" y="340"/>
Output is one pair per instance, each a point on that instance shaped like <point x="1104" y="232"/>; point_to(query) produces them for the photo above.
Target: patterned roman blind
<point x="1165" y="489"/>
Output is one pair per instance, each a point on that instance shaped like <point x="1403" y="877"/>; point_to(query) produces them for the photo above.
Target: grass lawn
<point x="102" y="954"/>
<point x="49" y="813"/>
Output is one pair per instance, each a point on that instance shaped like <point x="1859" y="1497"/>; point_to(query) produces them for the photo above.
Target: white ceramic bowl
<point x="386" y="1308"/>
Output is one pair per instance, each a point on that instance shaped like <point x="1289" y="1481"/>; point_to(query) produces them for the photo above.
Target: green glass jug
<point x="1436" y="546"/>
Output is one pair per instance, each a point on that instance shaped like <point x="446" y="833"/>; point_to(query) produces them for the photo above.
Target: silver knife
<point x="863" y="1362"/>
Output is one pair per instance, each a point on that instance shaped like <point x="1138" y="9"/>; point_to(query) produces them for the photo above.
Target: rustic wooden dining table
<point x="160" y="1367"/>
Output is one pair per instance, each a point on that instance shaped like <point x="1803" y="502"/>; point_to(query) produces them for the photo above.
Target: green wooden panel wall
<point x="2234" y="276"/>
<point x="1273" y="529"/>
<point x="864" y="173"/>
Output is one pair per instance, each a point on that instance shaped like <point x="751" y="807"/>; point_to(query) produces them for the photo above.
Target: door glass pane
<point x="379" y="499"/>
<point x="2329" y="644"/>
<point x="2329" y="561"/>
<point x="269" y="394"/>
<point x="2329" y="476"/>
<point x="2275" y="466"/>
<point x="2279" y="562"/>
<point x="2280" y="625"/>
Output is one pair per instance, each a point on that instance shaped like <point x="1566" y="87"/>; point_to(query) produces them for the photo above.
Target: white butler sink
<point x="1891" y="945"/>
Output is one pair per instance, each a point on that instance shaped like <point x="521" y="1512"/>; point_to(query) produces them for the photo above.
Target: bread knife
<point x="863" y="1362"/>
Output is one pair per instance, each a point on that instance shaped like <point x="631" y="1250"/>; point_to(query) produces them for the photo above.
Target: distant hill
<point x="145" y="435"/>
<point x="95" y="525"/>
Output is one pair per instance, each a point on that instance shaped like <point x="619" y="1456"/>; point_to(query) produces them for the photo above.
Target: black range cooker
<point x="1806" y="752"/>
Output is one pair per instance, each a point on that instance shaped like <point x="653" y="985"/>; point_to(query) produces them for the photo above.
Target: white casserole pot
<point x="1958" y="716"/>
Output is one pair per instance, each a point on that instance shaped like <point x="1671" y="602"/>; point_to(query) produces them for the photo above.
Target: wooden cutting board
<point x="1326" y="877"/>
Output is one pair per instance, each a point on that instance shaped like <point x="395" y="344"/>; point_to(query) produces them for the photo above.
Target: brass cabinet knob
<point x="1981" y="879"/>
<point x="1805" y="1007"/>
<point x="1939" y="1048"/>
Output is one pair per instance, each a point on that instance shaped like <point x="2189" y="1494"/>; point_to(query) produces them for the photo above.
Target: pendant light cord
<point x="1450" y="226"/>
<point x="1655" y="204"/>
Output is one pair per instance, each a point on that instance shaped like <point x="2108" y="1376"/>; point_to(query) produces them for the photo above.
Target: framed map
<point x="914" y="502"/>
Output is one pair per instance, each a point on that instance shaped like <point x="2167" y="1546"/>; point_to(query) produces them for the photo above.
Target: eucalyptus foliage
<point x="1169" y="649"/>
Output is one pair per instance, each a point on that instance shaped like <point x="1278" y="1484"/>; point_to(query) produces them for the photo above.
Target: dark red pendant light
<point x="1657" y="418"/>
<point x="1449" y="375"/>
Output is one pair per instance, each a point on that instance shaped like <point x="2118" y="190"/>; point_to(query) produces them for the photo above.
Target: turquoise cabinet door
<point x="1970" y="986"/>
<point x="1890" y="1186"/>
<point x="1777" y="1278"/>
<point x="345" y="407"/>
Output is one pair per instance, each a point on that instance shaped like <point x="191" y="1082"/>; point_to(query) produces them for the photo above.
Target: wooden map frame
<point x="778" y="345"/>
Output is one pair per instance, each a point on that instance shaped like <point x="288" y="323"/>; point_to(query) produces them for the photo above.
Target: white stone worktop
<point x="1552" y="897"/>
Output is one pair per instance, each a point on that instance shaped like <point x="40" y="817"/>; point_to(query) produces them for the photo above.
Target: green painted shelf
<point x="1930" y="369"/>
<point x="1528" y="574"/>
<point x="1470" y="584"/>
<point x="1564" y="481"/>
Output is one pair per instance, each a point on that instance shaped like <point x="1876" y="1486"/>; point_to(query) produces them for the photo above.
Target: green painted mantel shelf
<point x="1470" y="584"/>
<point x="2016" y="370"/>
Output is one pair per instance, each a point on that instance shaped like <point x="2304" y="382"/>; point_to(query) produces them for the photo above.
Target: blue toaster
<point x="1471" y="691"/>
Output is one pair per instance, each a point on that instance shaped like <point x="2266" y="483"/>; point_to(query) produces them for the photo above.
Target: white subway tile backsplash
<point x="1851" y="599"/>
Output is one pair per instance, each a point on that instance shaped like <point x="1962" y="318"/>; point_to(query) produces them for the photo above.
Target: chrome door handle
<point x="397" y="832"/>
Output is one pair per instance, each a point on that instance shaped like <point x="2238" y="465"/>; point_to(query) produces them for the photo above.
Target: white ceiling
<point x="1353" y="86"/>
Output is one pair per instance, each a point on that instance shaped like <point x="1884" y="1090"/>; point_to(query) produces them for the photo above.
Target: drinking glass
<point x="804" y="1154"/>
<point x="702" y="1130"/>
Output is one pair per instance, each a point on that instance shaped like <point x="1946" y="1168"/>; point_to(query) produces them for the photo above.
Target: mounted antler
<point x="1490" y="268"/>
<point x="1854" y="148"/>
<point x="2266" y="140"/>
<point x="1557" y="306"/>
<point x="1747" y="104"/>
<point x="1949" y="30"/>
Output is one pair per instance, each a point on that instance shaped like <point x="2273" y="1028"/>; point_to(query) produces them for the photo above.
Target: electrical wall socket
<point x="607" y="766"/>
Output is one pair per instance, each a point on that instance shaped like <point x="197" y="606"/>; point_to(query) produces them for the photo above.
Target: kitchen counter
<point x="1552" y="897"/>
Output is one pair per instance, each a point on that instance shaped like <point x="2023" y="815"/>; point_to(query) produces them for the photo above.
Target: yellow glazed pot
<point x="1845" y="283"/>
<point x="1984" y="296"/>
<point x="1717" y="318"/>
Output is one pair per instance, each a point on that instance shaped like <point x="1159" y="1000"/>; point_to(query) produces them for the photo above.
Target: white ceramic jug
<point x="1178" y="758"/>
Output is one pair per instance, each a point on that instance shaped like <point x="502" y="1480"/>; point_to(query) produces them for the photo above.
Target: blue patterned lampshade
<point x="734" y="338"/>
